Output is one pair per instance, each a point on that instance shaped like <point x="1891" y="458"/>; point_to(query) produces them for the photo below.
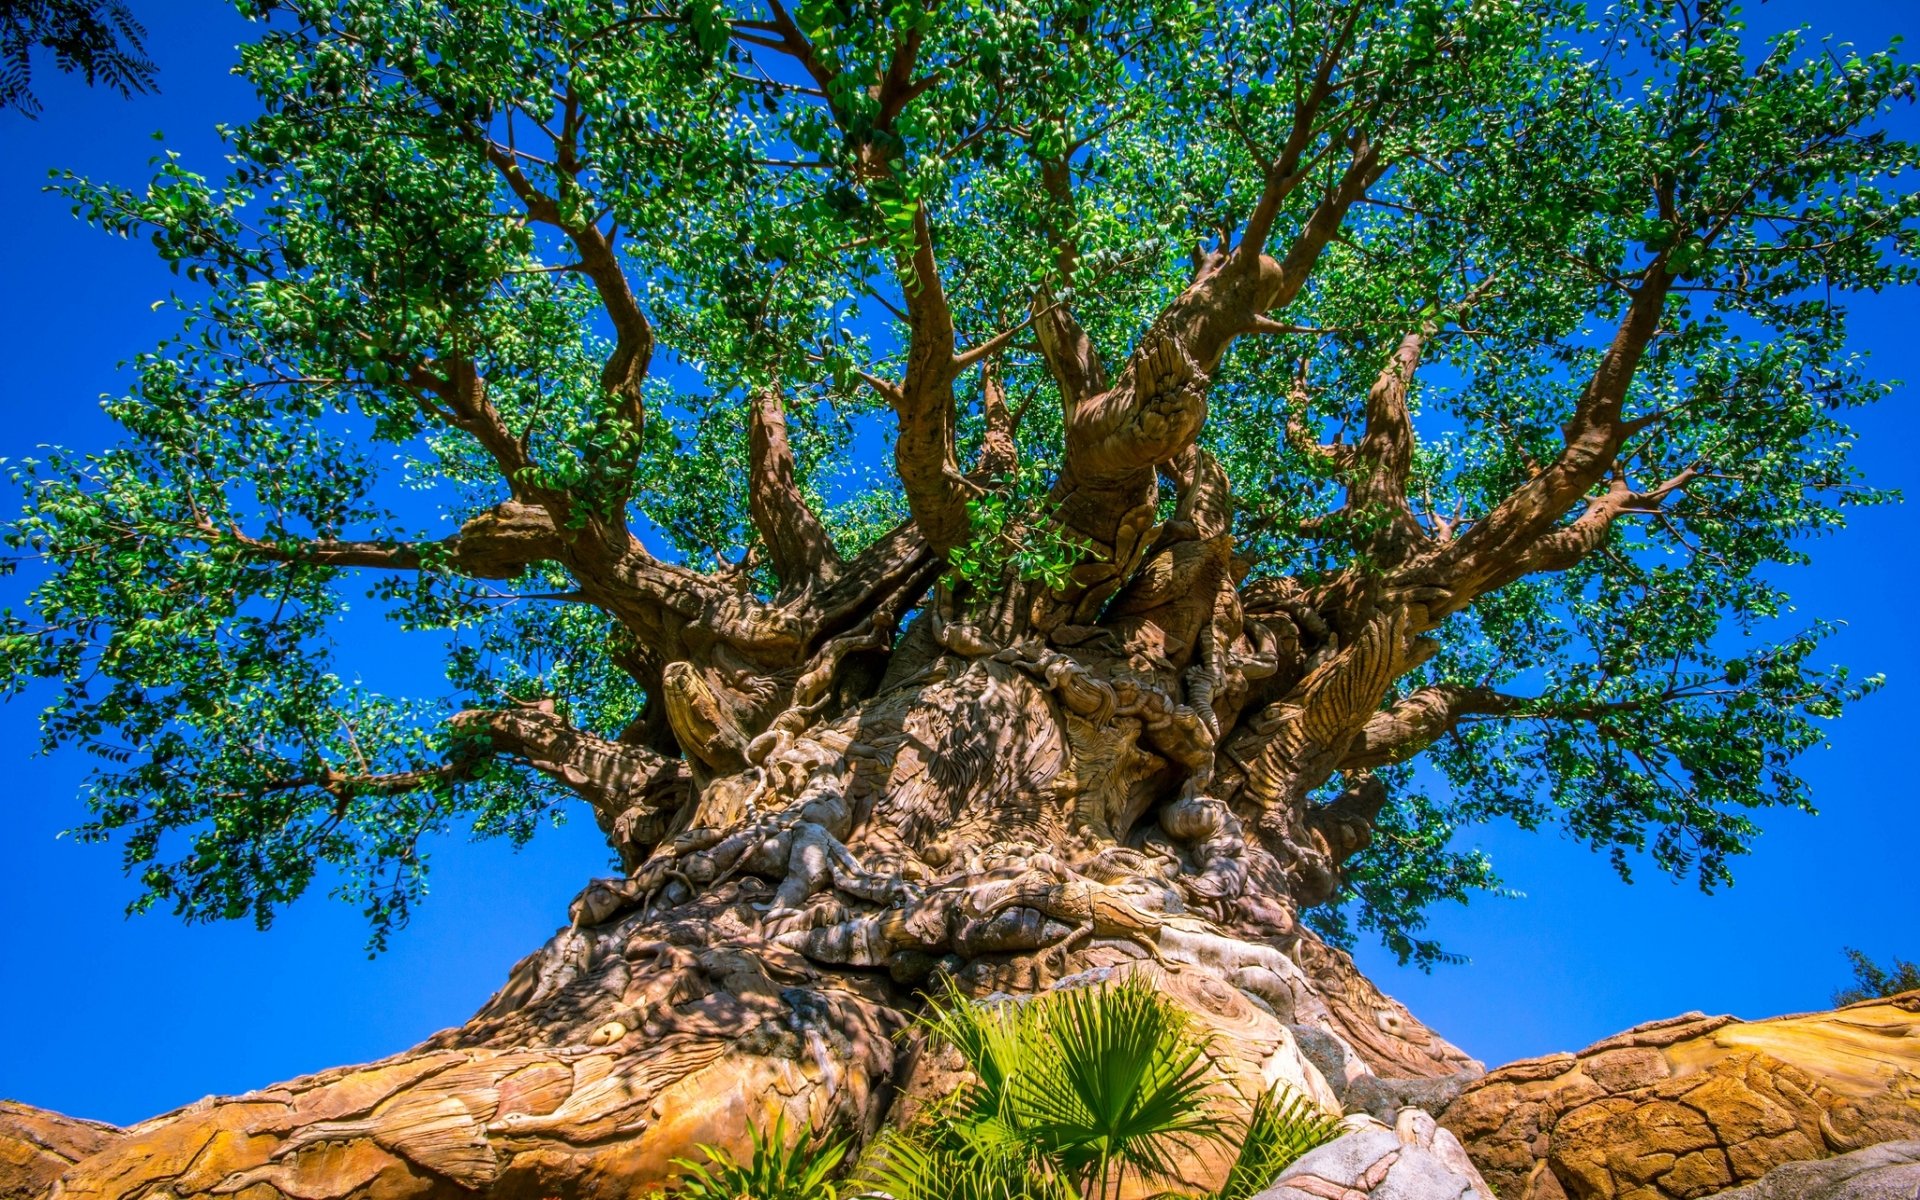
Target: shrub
<point x="1872" y="981"/>
<point x="775" y="1170"/>
<point x="1076" y="1092"/>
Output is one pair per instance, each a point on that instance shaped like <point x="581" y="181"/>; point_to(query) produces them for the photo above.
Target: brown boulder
<point x="37" y="1147"/>
<point x="1694" y="1105"/>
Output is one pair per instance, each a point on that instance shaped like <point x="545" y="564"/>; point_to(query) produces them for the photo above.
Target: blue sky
<point x="119" y="1019"/>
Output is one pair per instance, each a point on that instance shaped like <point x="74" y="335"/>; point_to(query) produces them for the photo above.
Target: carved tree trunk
<point x="820" y="814"/>
<point x="818" y="817"/>
<point x="1006" y="815"/>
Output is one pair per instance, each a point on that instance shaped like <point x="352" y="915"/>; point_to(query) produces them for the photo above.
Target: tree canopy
<point x="591" y="335"/>
<point x="100" y="39"/>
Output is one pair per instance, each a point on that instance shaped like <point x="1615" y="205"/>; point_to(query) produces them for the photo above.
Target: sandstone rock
<point x="37" y="1147"/>
<point x="1890" y="1171"/>
<point x="1288" y="1067"/>
<point x="1692" y="1106"/>
<point x="1335" y="1058"/>
<point x="1382" y="1097"/>
<point x="1414" y="1160"/>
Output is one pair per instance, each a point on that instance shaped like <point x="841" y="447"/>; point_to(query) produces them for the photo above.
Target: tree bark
<point x="1005" y="816"/>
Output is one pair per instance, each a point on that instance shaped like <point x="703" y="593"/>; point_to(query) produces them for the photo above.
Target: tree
<point x="98" y="38"/>
<point x="1275" y="395"/>
<point x="1871" y="981"/>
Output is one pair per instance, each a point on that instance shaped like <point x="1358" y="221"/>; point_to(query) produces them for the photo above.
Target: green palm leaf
<point x="1123" y="1086"/>
<point x="775" y="1169"/>
<point x="1282" y="1126"/>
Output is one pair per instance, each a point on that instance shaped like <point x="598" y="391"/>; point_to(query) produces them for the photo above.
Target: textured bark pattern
<point x="1696" y="1105"/>
<point x="1003" y="815"/>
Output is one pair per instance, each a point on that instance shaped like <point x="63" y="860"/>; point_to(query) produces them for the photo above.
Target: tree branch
<point x="923" y="451"/>
<point x="1285" y="172"/>
<point x="623" y="783"/>
<point x="800" y="545"/>
<point x="1398" y="733"/>
<point x="1562" y="548"/>
<point x="499" y="543"/>
<point x="626" y="367"/>
<point x="1489" y="552"/>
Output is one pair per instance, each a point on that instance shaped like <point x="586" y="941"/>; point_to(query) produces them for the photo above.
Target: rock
<point x="1288" y="1066"/>
<point x="1414" y="1160"/>
<point x="1692" y="1106"/>
<point x="1332" y="1055"/>
<point x="37" y="1147"/>
<point x="1382" y="1097"/>
<point x="1890" y="1171"/>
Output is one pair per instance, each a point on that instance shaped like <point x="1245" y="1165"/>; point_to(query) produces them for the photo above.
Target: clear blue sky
<point x="119" y="1019"/>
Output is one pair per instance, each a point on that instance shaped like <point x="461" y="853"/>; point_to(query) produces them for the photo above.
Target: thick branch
<point x="1386" y="446"/>
<point x="1491" y="551"/>
<point x="626" y="367"/>
<point x="1069" y="353"/>
<point x="998" y="453"/>
<point x="1285" y="172"/>
<point x="923" y="452"/>
<point x="1561" y="549"/>
<point x="452" y="389"/>
<point x="1159" y="404"/>
<point x="799" y="544"/>
<point x="1345" y="826"/>
<point x="499" y="543"/>
<point x="613" y="777"/>
<point x="1402" y="731"/>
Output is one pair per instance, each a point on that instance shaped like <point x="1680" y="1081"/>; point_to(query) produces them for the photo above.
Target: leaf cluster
<point x="1076" y="1093"/>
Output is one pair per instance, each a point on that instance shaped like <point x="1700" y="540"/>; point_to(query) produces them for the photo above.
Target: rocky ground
<point x="1818" y="1106"/>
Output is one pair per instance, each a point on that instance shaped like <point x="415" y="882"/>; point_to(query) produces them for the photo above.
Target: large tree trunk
<point x="1003" y="817"/>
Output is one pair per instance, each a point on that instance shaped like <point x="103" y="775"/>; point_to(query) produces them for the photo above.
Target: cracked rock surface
<point x="37" y="1147"/>
<point x="1890" y="1171"/>
<point x="1693" y="1106"/>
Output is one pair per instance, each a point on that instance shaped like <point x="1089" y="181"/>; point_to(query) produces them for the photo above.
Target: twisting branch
<point x="923" y="450"/>
<point x="1488" y="553"/>
<point x="626" y="367"/>
<point x="499" y="543"/>
<point x="998" y="453"/>
<point x="453" y="390"/>
<point x="615" y="778"/>
<point x="1404" y="729"/>
<point x="1158" y="405"/>
<point x="1564" y="547"/>
<point x="1363" y="170"/>
<point x="1398" y="733"/>
<point x="1284" y="173"/>
<point x="801" y="548"/>
<point x="1301" y="437"/>
<point x="1068" y="351"/>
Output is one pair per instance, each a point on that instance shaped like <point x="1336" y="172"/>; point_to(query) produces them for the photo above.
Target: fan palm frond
<point x="1282" y="1126"/>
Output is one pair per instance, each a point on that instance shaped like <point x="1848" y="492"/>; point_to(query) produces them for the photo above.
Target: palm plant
<point x="1282" y="1126"/>
<point x="1075" y="1093"/>
<point x="774" y="1170"/>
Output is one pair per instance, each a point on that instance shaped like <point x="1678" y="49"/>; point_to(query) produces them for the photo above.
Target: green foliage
<point x="775" y="1169"/>
<point x="1281" y="1128"/>
<point x="358" y="232"/>
<point x="100" y="39"/>
<point x="1014" y="535"/>
<point x="1075" y="1093"/>
<point x="1871" y="981"/>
